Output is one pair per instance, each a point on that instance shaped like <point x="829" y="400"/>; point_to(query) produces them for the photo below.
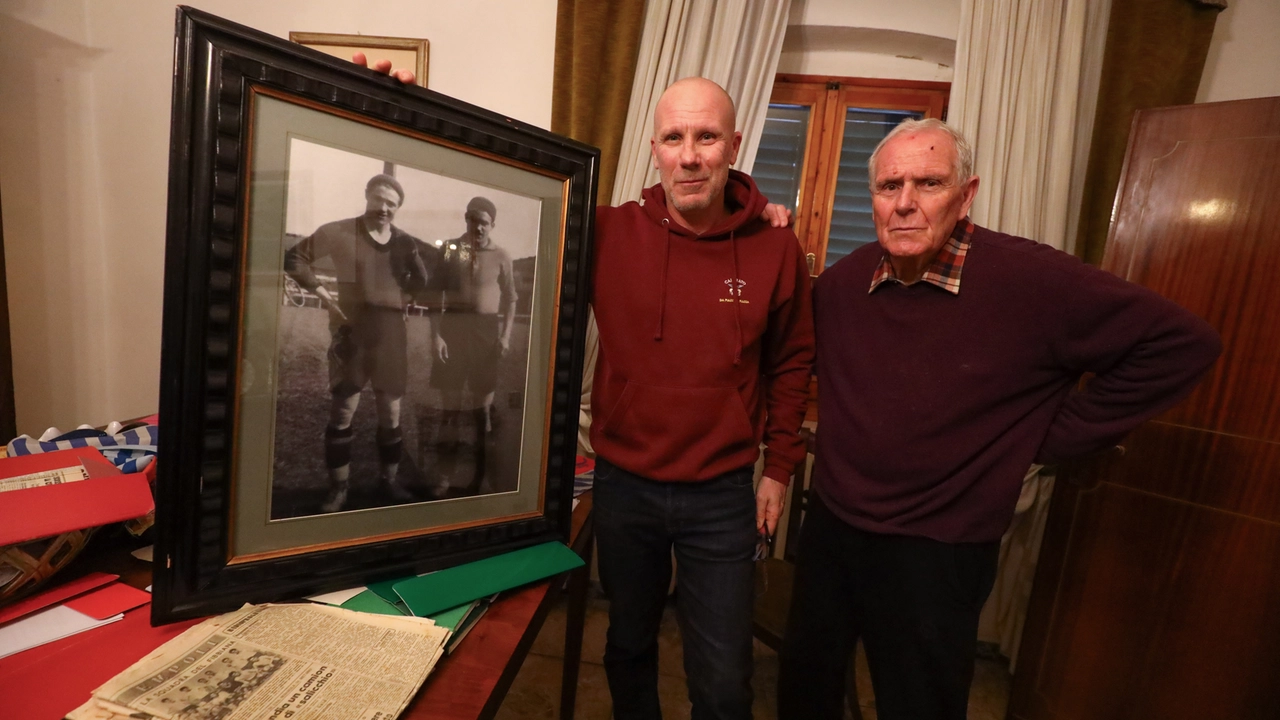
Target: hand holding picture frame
<point x="375" y="299"/>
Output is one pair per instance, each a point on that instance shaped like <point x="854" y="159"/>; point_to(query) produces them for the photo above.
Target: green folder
<point x="478" y="609"/>
<point x="385" y="590"/>
<point x="370" y="602"/>
<point x="450" y="618"/>
<point x="453" y="587"/>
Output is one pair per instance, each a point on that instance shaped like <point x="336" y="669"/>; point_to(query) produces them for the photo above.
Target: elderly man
<point x="378" y="267"/>
<point x="948" y="356"/>
<point x="706" y="344"/>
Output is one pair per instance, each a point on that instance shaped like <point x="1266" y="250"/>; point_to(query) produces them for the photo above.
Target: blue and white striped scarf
<point x="131" y="451"/>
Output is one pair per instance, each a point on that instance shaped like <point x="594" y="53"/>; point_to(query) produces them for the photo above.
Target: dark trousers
<point x="913" y="601"/>
<point x="711" y="527"/>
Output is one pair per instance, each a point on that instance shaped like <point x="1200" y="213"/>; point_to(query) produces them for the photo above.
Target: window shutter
<point x="780" y="158"/>
<point x="851" y="221"/>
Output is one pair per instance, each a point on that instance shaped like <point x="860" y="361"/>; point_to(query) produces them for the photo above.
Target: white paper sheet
<point x="45" y="627"/>
<point x="337" y="597"/>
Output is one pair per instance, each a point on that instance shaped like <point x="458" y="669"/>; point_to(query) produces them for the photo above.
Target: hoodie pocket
<point x="668" y="424"/>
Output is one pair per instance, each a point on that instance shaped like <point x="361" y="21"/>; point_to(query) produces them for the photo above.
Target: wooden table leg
<point x="575" y="620"/>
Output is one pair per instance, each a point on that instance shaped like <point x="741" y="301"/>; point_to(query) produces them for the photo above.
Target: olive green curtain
<point x="1154" y="56"/>
<point x="597" y="42"/>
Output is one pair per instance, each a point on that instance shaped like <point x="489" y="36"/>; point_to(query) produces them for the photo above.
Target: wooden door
<point x="1158" y="590"/>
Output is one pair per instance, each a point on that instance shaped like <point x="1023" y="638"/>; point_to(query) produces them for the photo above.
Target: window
<point x="818" y="136"/>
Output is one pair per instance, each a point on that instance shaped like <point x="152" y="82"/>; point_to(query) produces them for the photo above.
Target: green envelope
<point x="450" y="588"/>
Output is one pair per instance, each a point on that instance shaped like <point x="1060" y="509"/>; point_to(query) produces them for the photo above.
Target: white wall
<point x="902" y="40"/>
<point x="84" y="118"/>
<point x="1244" y="56"/>
<point x="928" y="17"/>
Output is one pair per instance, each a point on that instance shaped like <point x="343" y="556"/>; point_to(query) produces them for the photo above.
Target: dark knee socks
<point x="390" y="445"/>
<point x="337" y="447"/>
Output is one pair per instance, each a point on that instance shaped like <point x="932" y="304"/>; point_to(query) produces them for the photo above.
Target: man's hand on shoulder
<point x="776" y="215"/>
<point x="384" y="66"/>
<point x="770" y="495"/>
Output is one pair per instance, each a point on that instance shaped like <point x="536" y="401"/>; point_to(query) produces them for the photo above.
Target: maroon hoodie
<point x="706" y="341"/>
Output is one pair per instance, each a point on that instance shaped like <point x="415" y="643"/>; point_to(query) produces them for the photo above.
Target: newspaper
<point x="47" y="477"/>
<point x="277" y="662"/>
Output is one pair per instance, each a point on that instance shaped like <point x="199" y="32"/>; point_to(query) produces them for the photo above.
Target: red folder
<point x="106" y="496"/>
<point x="113" y="599"/>
<point x="55" y="595"/>
<point x="49" y="681"/>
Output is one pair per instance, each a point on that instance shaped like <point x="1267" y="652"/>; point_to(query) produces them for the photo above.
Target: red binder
<point x="106" y="496"/>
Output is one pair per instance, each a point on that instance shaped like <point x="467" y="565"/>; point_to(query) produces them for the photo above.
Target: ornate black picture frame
<point x="375" y="300"/>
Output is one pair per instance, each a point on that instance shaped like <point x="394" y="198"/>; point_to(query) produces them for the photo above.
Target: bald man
<point x="706" y="346"/>
<point x="701" y="296"/>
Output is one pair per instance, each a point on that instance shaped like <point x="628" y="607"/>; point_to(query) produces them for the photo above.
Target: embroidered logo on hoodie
<point x="735" y="286"/>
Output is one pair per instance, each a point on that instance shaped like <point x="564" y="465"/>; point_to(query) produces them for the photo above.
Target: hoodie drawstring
<point x="737" y="297"/>
<point x="662" y="298"/>
<point x="734" y="288"/>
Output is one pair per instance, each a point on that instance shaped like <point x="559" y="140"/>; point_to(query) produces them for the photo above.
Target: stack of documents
<point x="301" y="662"/>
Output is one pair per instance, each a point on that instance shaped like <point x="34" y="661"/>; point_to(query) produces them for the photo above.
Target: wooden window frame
<point x="829" y="96"/>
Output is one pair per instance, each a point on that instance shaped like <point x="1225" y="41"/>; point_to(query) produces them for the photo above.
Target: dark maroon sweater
<point x="706" y="341"/>
<point x="932" y="406"/>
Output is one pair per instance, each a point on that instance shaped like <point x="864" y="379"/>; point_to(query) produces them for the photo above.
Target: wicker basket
<point x="26" y="566"/>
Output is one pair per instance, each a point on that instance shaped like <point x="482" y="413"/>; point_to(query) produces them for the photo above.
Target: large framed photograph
<point x="375" y="299"/>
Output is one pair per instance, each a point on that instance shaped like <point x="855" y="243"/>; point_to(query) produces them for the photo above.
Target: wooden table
<point x="53" y="679"/>
<point x="473" y="680"/>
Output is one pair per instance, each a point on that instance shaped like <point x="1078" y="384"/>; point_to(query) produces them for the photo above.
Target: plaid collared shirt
<point x="945" y="269"/>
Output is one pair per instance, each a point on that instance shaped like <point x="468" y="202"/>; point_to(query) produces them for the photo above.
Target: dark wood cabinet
<point x="1158" y="590"/>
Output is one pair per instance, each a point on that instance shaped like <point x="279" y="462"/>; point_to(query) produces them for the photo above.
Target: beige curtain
<point x="1015" y="94"/>
<point x="1023" y="94"/>
<point x="733" y="42"/>
<point x="1095" y="46"/>
<point x="1005" y="613"/>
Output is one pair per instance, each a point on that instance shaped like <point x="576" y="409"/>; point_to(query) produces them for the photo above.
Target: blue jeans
<point x="711" y="527"/>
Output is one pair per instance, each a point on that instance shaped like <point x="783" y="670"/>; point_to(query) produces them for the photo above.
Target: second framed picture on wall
<point x="404" y="53"/>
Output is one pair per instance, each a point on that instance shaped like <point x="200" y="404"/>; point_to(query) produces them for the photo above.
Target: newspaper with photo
<point x="277" y="662"/>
